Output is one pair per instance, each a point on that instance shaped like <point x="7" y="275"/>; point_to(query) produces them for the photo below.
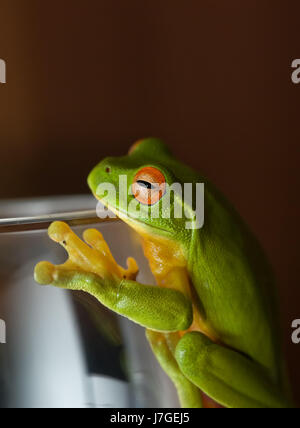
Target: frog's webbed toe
<point x="132" y="269"/>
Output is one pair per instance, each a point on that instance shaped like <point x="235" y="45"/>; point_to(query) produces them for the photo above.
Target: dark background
<point x="213" y="78"/>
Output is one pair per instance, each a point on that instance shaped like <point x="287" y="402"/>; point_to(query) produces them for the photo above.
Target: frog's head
<point x="136" y="188"/>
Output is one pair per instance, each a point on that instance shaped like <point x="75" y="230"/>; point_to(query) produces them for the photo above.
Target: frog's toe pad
<point x="59" y="231"/>
<point x="44" y="273"/>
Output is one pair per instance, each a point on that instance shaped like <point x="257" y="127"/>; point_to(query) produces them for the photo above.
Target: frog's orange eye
<point x="149" y="186"/>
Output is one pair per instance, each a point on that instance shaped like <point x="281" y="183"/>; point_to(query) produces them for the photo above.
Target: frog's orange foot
<point x="93" y="256"/>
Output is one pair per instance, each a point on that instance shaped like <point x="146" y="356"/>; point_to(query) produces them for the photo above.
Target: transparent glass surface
<point x="64" y="349"/>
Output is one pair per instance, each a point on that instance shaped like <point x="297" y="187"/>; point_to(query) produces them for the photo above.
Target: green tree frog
<point x="212" y="319"/>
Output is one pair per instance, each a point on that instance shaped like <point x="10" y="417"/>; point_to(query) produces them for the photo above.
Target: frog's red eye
<point x="149" y="186"/>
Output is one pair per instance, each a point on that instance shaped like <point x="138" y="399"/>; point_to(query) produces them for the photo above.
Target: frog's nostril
<point x="108" y="169"/>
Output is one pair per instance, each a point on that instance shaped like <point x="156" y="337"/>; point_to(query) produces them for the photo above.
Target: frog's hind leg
<point x="227" y="376"/>
<point x="163" y="347"/>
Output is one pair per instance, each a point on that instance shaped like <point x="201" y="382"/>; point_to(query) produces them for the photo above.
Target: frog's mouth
<point x="136" y="224"/>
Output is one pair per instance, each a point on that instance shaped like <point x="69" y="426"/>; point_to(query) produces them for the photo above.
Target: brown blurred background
<point x="87" y="78"/>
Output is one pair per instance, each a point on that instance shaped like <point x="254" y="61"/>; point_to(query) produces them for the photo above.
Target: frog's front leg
<point x="228" y="377"/>
<point x="91" y="268"/>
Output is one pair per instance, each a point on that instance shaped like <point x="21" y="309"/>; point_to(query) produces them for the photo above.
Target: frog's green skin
<point x="213" y="323"/>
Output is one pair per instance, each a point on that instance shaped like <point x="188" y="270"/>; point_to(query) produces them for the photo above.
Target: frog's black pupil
<point x="145" y="184"/>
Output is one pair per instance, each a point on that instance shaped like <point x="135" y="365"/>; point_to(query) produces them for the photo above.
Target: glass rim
<point x="76" y="210"/>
